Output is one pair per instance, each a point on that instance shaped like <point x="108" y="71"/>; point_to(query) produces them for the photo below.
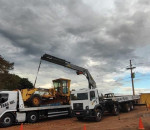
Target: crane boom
<point x="79" y="70"/>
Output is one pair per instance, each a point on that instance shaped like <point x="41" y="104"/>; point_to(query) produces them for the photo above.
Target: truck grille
<point x="78" y="106"/>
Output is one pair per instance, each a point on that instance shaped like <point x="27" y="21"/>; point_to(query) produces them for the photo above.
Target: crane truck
<point x="86" y="103"/>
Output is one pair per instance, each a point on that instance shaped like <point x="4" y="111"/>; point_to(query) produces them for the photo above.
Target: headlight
<point x="87" y="107"/>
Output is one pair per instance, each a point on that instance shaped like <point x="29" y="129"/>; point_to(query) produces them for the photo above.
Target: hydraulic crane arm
<point x="79" y="70"/>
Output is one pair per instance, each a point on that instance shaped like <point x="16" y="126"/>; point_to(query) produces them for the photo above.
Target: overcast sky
<point x="100" y="35"/>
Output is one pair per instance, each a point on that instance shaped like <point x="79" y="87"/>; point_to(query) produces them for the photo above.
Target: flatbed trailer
<point x="12" y="110"/>
<point x="124" y="103"/>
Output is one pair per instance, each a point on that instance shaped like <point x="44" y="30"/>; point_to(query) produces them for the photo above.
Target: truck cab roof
<point x="8" y="92"/>
<point x="82" y="90"/>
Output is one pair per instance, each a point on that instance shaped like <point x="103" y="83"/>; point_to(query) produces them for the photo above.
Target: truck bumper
<point x="84" y="113"/>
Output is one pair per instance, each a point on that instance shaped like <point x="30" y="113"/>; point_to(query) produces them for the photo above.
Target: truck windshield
<point x="79" y="96"/>
<point x="3" y="97"/>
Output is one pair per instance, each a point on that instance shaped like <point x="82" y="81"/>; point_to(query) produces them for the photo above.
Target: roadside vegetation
<point x="10" y="81"/>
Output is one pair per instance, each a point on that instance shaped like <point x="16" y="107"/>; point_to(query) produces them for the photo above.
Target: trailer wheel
<point x="98" y="115"/>
<point x="127" y="107"/>
<point x="35" y="100"/>
<point x="131" y="106"/>
<point x="6" y="120"/>
<point x="32" y="117"/>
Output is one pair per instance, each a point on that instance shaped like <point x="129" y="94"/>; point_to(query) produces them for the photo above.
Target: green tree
<point x="11" y="81"/>
<point x="5" y="66"/>
<point x="25" y="83"/>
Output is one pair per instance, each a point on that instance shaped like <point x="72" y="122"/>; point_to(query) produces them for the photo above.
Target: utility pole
<point x="132" y="76"/>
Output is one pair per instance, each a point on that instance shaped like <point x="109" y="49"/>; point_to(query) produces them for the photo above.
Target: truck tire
<point x="32" y="117"/>
<point x="35" y="100"/>
<point x="127" y="107"/>
<point x="6" y="120"/>
<point x="115" y="110"/>
<point x="131" y="106"/>
<point x="98" y="115"/>
<point x="80" y="118"/>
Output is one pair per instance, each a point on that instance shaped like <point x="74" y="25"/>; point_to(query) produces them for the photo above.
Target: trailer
<point x="124" y="103"/>
<point x="13" y="110"/>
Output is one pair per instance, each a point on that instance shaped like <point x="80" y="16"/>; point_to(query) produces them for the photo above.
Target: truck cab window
<point x="92" y="95"/>
<point x="3" y="98"/>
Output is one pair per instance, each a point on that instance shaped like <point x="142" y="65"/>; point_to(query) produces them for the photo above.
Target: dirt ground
<point x="125" y="121"/>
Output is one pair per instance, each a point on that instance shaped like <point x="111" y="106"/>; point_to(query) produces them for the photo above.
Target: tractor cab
<point x="62" y="86"/>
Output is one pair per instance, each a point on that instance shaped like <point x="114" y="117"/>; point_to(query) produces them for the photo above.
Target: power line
<point x="132" y="76"/>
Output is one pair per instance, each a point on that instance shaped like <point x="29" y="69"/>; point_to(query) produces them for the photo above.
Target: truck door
<point x="7" y="102"/>
<point x="93" y="99"/>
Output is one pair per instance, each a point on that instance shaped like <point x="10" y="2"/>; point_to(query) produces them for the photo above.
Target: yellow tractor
<point x="60" y="93"/>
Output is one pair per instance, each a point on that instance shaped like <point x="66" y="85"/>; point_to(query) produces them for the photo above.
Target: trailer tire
<point x="131" y="106"/>
<point x="127" y="107"/>
<point x="98" y="115"/>
<point x="32" y="117"/>
<point x="6" y="120"/>
<point x="35" y="100"/>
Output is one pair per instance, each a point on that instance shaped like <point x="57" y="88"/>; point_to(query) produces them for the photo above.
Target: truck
<point x="13" y="110"/>
<point x="86" y="103"/>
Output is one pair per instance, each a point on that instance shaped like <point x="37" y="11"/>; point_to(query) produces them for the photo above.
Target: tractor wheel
<point x="35" y="100"/>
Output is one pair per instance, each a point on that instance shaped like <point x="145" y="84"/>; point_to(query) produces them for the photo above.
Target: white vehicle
<point x="12" y="110"/>
<point x="86" y="103"/>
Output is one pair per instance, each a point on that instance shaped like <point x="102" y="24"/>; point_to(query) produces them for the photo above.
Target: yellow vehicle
<point x="60" y="93"/>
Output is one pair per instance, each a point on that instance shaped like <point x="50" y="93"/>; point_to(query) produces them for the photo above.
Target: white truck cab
<point x="10" y="102"/>
<point x="85" y="103"/>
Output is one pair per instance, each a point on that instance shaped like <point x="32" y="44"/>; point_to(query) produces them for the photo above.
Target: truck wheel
<point x="80" y="118"/>
<point x="115" y="111"/>
<point x="6" y="120"/>
<point x="98" y="114"/>
<point x="127" y="107"/>
<point x="131" y="106"/>
<point x="32" y="117"/>
<point x="35" y="100"/>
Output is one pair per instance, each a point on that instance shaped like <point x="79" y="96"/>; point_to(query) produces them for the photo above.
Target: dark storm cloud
<point x="72" y="30"/>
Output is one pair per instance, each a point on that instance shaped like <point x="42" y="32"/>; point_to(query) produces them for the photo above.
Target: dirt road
<point x="126" y="121"/>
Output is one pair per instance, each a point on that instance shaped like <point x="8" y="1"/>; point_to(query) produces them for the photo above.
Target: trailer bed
<point x="43" y="108"/>
<point x="126" y="98"/>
